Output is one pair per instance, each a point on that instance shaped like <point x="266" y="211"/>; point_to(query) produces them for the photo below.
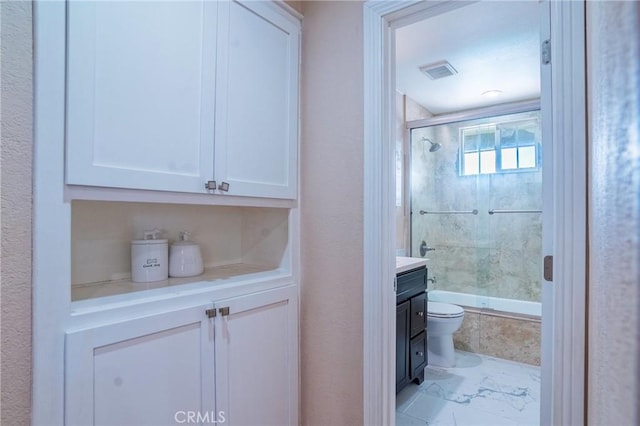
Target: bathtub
<point x="510" y="306"/>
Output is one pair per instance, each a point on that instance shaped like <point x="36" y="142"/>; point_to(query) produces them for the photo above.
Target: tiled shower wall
<point x="492" y="255"/>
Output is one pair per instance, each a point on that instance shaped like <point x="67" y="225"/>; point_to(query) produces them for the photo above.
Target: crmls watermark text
<point x="198" y="417"/>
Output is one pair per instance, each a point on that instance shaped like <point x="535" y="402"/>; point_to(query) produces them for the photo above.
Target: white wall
<point x="332" y="211"/>
<point x="15" y="287"/>
<point x="614" y="212"/>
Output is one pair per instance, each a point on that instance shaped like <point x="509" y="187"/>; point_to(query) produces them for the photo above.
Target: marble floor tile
<point x="480" y="390"/>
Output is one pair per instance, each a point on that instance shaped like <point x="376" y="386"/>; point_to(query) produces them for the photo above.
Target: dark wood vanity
<point x="411" y="322"/>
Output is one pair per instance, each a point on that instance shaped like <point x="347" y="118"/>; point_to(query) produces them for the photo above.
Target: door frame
<point x="563" y="375"/>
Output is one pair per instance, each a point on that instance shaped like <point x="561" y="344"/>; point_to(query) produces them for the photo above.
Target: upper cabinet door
<point x="257" y="100"/>
<point x="140" y="94"/>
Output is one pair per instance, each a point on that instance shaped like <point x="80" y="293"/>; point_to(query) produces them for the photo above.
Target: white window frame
<point x="497" y="148"/>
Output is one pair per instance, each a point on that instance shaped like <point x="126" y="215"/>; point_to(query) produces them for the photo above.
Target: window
<point x="499" y="148"/>
<point x="479" y="150"/>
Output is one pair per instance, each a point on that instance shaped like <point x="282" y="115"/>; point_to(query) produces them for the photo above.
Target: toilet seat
<point x="444" y="310"/>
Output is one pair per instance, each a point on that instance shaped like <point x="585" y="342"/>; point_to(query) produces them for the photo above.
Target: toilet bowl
<point x="443" y="319"/>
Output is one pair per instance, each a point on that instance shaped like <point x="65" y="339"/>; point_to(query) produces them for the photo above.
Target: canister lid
<point x="147" y="242"/>
<point x="151" y="237"/>
<point x="184" y="240"/>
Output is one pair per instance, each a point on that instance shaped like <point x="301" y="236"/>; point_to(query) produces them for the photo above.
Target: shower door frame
<point x="564" y="300"/>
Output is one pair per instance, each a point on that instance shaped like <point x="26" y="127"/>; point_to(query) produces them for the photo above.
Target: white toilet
<point x="443" y="319"/>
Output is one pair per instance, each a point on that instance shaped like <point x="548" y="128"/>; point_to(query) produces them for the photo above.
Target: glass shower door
<point x="476" y="190"/>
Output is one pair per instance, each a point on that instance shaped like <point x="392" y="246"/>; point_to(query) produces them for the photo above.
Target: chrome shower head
<point x="434" y="145"/>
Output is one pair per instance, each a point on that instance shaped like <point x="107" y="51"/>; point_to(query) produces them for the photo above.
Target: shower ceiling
<point x="492" y="46"/>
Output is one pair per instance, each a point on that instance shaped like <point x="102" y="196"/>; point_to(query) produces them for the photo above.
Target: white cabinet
<point x="141" y="371"/>
<point x="239" y="367"/>
<point x="170" y="95"/>
<point x="257" y="100"/>
<point x="257" y="359"/>
<point x="140" y="94"/>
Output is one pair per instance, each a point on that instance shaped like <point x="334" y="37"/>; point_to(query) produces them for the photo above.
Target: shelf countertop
<point x="110" y="288"/>
<point x="404" y="264"/>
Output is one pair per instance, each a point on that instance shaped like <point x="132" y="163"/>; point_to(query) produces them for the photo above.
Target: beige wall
<point x="295" y="4"/>
<point x="331" y="199"/>
<point x="332" y="211"/>
<point x="15" y="286"/>
<point x="614" y="213"/>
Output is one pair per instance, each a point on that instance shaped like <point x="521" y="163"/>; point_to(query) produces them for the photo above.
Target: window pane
<point x="525" y="137"/>
<point x="527" y="157"/>
<point x="488" y="140"/>
<point x="508" y="137"/>
<point x="471" y="163"/>
<point x="470" y="143"/>
<point x="488" y="161"/>
<point x="509" y="159"/>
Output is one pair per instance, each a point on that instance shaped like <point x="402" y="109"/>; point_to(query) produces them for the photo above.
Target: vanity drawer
<point x="418" y="354"/>
<point x="411" y="283"/>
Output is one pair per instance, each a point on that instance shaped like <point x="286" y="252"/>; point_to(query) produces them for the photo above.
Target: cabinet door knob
<point x="211" y="313"/>
<point x="419" y="353"/>
<point x="224" y="311"/>
<point x="224" y="186"/>
<point x="210" y="184"/>
<point x="420" y="313"/>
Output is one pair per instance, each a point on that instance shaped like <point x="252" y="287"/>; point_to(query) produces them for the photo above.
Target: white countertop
<point x="404" y="264"/>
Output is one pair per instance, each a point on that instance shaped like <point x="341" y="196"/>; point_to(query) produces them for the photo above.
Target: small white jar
<point x="149" y="258"/>
<point x="185" y="258"/>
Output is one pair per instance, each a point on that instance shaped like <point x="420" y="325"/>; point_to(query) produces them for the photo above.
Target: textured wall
<point x="332" y="210"/>
<point x="491" y="255"/>
<point x="613" y="55"/>
<point x="16" y="155"/>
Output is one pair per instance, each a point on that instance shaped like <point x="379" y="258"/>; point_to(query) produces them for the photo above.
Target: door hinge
<point x="211" y="313"/>
<point x="545" y="52"/>
<point x="548" y="268"/>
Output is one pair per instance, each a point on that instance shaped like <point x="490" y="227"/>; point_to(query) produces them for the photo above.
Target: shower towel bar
<point x="474" y="211"/>
<point x="492" y="211"/>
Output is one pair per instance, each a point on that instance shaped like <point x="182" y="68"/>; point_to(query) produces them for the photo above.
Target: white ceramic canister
<point x="149" y="258"/>
<point x="185" y="258"/>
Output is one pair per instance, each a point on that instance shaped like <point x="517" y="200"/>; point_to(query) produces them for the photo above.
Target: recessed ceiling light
<point x="492" y="93"/>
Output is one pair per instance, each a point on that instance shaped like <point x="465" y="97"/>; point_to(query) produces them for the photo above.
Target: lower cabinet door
<point x="257" y="359"/>
<point x="402" y="345"/>
<point x="155" y="370"/>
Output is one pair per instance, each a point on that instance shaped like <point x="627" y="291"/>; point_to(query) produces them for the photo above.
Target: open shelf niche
<point x="235" y="241"/>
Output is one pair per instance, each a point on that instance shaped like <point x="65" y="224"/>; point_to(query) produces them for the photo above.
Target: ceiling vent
<point x="438" y="70"/>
